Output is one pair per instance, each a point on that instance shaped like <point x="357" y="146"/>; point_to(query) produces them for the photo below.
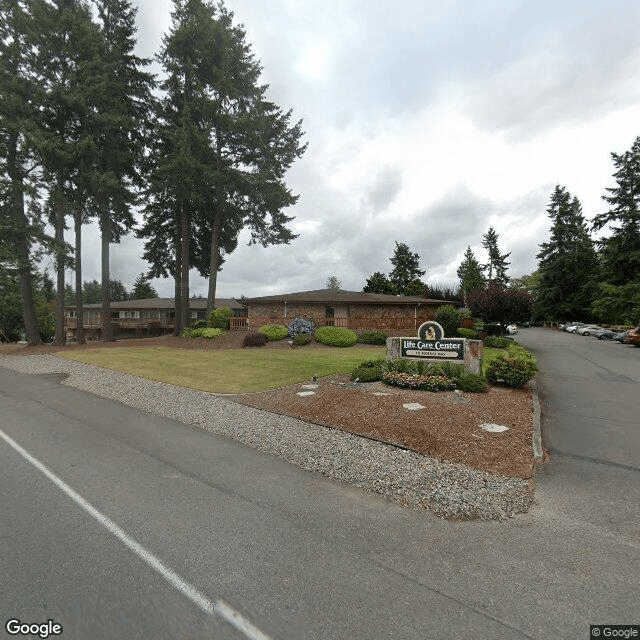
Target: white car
<point x="588" y="329"/>
<point x="512" y="328"/>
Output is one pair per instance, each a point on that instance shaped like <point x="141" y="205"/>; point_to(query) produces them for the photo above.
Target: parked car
<point x="633" y="336"/>
<point x="512" y="328"/>
<point x="604" y="334"/>
<point x="572" y="327"/>
<point x="587" y="329"/>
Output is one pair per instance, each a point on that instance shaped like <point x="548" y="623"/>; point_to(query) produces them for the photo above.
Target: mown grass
<point x="228" y="371"/>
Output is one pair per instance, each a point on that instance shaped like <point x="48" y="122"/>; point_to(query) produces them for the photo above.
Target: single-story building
<point x="355" y="310"/>
<point x="145" y="317"/>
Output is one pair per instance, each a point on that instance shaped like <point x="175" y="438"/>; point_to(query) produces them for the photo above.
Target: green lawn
<point x="228" y="371"/>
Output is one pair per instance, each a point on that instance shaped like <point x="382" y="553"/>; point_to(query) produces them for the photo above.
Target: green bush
<point x="514" y="369"/>
<point x="432" y="382"/>
<point x="448" y="318"/>
<point x="336" y="336"/>
<point x="368" y="371"/>
<point x="199" y="324"/>
<point x="300" y="339"/>
<point x="373" y="337"/>
<point x="274" y="331"/>
<point x="202" y="332"/>
<point x="254" y="339"/>
<point x="492" y="329"/>
<point x="469" y="334"/>
<point x="219" y="318"/>
<point x="472" y="382"/>
<point x="497" y="343"/>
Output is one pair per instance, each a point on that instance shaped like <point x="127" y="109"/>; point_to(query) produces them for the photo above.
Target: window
<point x="329" y="312"/>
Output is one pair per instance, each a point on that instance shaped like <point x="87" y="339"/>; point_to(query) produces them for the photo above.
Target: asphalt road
<point x="294" y="554"/>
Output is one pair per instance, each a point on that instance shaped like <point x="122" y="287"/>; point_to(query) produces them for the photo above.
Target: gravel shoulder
<point x="443" y="463"/>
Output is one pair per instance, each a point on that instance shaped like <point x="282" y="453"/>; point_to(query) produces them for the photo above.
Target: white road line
<point x="220" y="608"/>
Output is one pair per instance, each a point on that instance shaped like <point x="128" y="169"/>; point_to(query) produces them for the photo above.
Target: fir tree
<point x="496" y="268"/>
<point x="121" y="125"/>
<point x="142" y="289"/>
<point x="406" y="268"/>
<point x="378" y="283"/>
<point x="567" y="263"/>
<point x="470" y="273"/>
<point x="19" y="229"/>
<point x="620" y="251"/>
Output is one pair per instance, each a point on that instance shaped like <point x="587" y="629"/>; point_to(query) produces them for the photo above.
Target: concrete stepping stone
<point x="493" y="428"/>
<point x="310" y="386"/>
<point x="380" y="393"/>
<point x="413" y="406"/>
<point x="306" y="393"/>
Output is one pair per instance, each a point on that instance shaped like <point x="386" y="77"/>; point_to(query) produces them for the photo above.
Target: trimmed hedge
<point x="373" y="337"/>
<point x="497" y="343"/>
<point x="336" y="336"/>
<point x="274" y="331"/>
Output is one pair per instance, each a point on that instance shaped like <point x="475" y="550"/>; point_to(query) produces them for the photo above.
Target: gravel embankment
<point x="413" y="480"/>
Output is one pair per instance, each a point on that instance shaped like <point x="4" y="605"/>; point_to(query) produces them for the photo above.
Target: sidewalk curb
<point x="536" y="436"/>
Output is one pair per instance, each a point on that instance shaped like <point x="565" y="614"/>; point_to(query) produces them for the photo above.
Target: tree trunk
<point x="177" y="277"/>
<point x="214" y="260"/>
<point x="107" y="331"/>
<point x="184" y="270"/>
<point x="31" y="328"/>
<point x="79" y="308"/>
<point x="60" y="260"/>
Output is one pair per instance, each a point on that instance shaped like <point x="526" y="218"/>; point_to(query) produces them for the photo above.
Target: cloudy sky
<point x="427" y="123"/>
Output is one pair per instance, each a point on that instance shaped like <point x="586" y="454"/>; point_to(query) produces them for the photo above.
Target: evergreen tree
<point x="470" y="273"/>
<point x="220" y="152"/>
<point x="567" y="263"/>
<point x="406" y="268"/>
<point x="92" y="292"/>
<point x="620" y="252"/>
<point x="66" y="43"/>
<point x="20" y="229"/>
<point x="142" y="289"/>
<point x="121" y="128"/>
<point x="117" y="291"/>
<point x="496" y="268"/>
<point x="378" y="283"/>
<point x="333" y="283"/>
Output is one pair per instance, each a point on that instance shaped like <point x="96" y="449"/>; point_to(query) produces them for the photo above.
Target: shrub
<point x="497" y="343"/>
<point x="202" y="332"/>
<point x="336" y="336"/>
<point x="448" y="318"/>
<point x="219" y="318"/>
<point x="472" y="382"/>
<point x="300" y="326"/>
<point x="301" y="339"/>
<point x="254" y="339"/>
<point x="274" y="331"/>
<point x="368" y="371"/>
<point x="469" y="334"/>
<point x="373" y="337"/>
<point x="492" y="329"/>
<point x="200" y="324"/>
<point x="514" y="369"/>
<point x="432" y="382"/>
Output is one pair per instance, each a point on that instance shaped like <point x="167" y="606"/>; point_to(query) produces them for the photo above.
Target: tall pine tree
<point x="567" y="263"/>
<point x="470" y="273"/>
<point x="121" y="128"/>
<point x="620" y="251"/>
<point x="406" y="268"/>
<point x="496" y="268"/>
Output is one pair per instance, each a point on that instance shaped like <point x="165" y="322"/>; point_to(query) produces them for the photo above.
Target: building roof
<point x="332" y="297"/>
<point x="162" y="303"/>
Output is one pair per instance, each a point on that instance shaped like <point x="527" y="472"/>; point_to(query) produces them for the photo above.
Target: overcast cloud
<point x="427" y="122"/>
